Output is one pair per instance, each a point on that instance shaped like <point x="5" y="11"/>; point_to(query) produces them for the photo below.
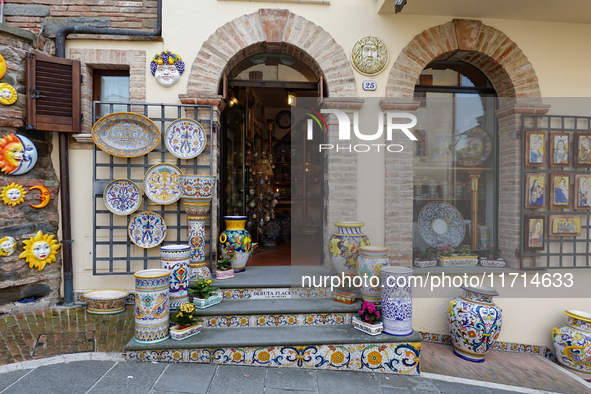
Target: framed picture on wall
<point x="535" y="190"/>
<point x="582" y="150"/>
<point x="559" y="150"/>
<point x="565" y="225"/>
<point x="582" y="197"/>
<point x="535" y="148"/>
<point x="535" y="233"/>
<point x="560" y="191"/>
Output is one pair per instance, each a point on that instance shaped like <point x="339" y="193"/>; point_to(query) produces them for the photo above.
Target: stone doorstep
<point x="270" y="277"/>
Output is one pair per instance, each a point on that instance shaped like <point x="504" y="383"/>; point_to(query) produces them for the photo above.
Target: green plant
<point x="224" y="264"/>
<point x="368" y="313"/>
<point x="492" y="252"/>
<point x="203" y="288"/>
<point x="426" y="255"/>
<point x="445" y="250"/>
<point x="464" y="250"/>
<point x="184" y="316"/>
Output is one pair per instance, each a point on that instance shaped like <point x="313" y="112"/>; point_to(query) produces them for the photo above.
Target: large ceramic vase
<point x="151" y="305"/>
<point x="572" y="343"/>
<point x="197" y="193"/>
<point x="235" y="240"/>
<point x="474" y="322"/>
<point x="175" y="258"/>
<point x="397" y="300"/>
<point x="344" y="246"/>
<point x="371" y="260"/>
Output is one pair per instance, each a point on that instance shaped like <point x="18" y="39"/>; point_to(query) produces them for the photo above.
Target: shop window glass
<point x="272" y="67"/>
<point x="111" y="86"/>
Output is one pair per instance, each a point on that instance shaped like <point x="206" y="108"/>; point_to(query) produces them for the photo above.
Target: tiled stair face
<point x="275" y="293"/>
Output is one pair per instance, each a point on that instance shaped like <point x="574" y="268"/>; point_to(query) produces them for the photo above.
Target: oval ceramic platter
<point x="161" y="183"/>
<point x="122" y="197"/>
<point x="147" y="229"/>
<point x="441" y="223"/>
<point x="125" y="134"/>
<point x="185" y="138"/>
<point x="473" y="147"/>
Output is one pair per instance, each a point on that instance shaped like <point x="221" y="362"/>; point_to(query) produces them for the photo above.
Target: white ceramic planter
<point x="151" y="306"/>
<point x="105" y="302"/>
<point x="425" y="263"/>
<point x="175" y="258"/>
<point x="370" y="329"/>
<point x="202" y="303"/>
<point x="494" y="263"/>
<point x="458" y="261"/>
<point x="397" y="300"/>
<point x="572" y="343"/>
<point x="370" y="262"/>
<point x="178" y="334"/>
<point x="224" y="274"/>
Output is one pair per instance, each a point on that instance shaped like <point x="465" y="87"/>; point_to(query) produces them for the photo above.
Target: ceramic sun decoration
<point x="8" y="94"/>
<point x="45" y="196"/>
<point x="2" y="67"/>
<point x="18" y="154"/>
<point x="40" y="250"/>
<point x="13" y="194"/>
<point x="7" y="246"/>
<point x="167" y="67"/>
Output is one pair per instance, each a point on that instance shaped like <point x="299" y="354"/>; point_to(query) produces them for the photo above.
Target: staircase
<point x="266" y="320"/>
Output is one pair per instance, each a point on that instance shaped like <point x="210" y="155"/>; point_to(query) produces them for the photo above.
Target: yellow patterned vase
<point x="572" y="343"/>
<point x="151" y="305"/>
<point x="344" y="245"/>
<point x="235" y="241"/>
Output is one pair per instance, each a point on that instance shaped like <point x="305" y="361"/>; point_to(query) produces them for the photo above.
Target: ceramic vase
<point x="397" y="300"/>
<point x="175" y="258"/>
<point x="236" y="240"/>
<point x="474" y="322"/>
<point x="151" y="305"/>
<point x="371" y="260"/>
<point x="572" y="343"/>
<point x="344" y="245"/>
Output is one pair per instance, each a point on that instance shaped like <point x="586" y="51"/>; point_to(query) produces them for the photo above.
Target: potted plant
<point x="368" y="319"/>
<point x="187" y="323"/>
<point x="492" y="257"/>
<point x="345" y="293"/>
<point x="224" y="269"/>
<point x="425" y="259"/>
<point x="204" y="295"/>
<point x="448" y="256"/>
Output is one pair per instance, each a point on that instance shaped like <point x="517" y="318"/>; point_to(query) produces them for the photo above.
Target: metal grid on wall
<point x="559" y="251"/>
<point x="113" y="252"/>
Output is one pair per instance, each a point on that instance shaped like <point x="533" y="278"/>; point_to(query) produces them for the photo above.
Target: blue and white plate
<point x="122" y="197"/>
<point x="147" y="229"/>
<point x="161" y="183"/>
<point x="441" y="223"/>
<point x="185" y="138"/>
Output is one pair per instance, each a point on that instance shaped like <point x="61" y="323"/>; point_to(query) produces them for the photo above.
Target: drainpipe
<point x="60" y="51"/>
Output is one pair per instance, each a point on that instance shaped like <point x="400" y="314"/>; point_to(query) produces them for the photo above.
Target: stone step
<point x="305" y="347"/>
<point x="271" y="277"/>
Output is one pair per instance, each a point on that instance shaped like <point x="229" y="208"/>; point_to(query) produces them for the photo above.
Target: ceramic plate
<point x="185" y="138"/>
<point x="473" y="147"/>
<point x="441" y="223"/>
<point x="122" y="197"/>
<point x="161" y="183"/>
<point x="147" y="229"/>
<point x="125" y="134"/>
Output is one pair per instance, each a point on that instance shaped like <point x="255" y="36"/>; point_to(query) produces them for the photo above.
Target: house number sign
<point x="369" y="85"/>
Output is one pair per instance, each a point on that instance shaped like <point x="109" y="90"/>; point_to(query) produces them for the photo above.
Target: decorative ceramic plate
<point x="125" y="134"/>
<point x="185" y="138"/>
<point x="161" y="183"/>
<point x="147" y="229"/>
<point x="473" y="147"/>
<point x="122" y="197"/>
<point x="441" y="223"/>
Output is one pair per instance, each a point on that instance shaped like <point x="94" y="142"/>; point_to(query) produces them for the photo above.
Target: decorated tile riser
<point x="395" y="358"/>
<point x="277" y="320"/>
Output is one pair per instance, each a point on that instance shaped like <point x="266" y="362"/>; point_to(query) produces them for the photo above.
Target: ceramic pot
<point x="458" y="261"/>
<point x="178" y="333"/>
<point x="202" y="303"/>
<point x="220" y="275"/>
<point x="344" y="297"/>
<point x="105" y="302"/>
<point x="474" y="322"/>
<point x="425" y="263"/>
<point x="371" y="260"/>
<point x="397" y="300"/>
<point x="370" y="329"/>
<point x="175" y="258"/>
<point x="151" y="305"/>
<point x="236" y="239"/>
<point x="572" y="343"/>
<point x="494" y="263"/>
<point x="344" y="246"/>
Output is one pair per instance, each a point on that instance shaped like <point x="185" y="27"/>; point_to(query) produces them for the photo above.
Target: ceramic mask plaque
<point x="369" y="55"/>
<point x="125" y="134"/>
<point x="161" y="183"/>
<point x="122" y="197"/>
<point x="18" y="154"/>
<point x="7" y="246"/>
<point x="147" y="229"/>
<point x="441" y="223"/>
<point x="185" y="138"/>
<point x="8" y="94"/>
<point x="12" y="194"/>
<point x="167" y="67"/>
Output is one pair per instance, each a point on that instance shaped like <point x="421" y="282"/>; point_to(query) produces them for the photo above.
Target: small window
<point x="111" y="86"/>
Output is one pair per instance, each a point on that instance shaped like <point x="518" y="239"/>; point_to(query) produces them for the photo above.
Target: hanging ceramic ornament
<point x="18" y="154"/>
<point x="2" y="67"/>
<point x="45" y="196"/>
<point x="167" y="67"/>
<point x="8" y="94"/>
<point x="7" y="246"/>
<point x="40" y="250"/>
<point x="13" y="194"/>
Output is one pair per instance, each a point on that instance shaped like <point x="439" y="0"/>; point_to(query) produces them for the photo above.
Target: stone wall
<point x="17" y="280"/>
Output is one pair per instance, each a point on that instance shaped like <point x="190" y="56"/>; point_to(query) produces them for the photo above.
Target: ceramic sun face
<point x="7" y="246"/>
<point x="40" y="250"/>
<point x="18" y="154"/>
<point x="167" y="67"/>
<point x="13" y="194"/>
<point x="8" y="94"/>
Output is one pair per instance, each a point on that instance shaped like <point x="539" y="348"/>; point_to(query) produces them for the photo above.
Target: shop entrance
<point x="264" y="158"/>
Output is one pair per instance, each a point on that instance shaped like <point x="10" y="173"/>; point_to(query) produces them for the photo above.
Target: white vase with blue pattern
<point x="370" y="262"/>
<point x="397" y="300"/>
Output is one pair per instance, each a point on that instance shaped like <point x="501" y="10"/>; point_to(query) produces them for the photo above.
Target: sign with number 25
<point x="369" y="85"/>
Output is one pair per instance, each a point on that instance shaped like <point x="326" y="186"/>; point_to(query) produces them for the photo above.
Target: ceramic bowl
<point x="105" y="302"/>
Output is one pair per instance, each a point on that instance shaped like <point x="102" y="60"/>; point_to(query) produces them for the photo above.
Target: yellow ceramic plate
<point x="125" y="134"/>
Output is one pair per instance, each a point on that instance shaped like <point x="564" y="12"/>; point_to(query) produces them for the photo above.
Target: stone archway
<point x="516" y="83"/>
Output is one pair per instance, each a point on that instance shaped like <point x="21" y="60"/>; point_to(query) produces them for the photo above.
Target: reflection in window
<point x="111" y="86"/>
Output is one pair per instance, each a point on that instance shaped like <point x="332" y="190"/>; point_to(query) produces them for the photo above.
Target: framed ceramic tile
<point x="535" y="233"/>
<point x="535" y="190"/>
<point x="560" y="191"/>
<point x="582" y="157"/>
<point x="582" y="197"/>
<point x="535" y="148"/>
<point x="565" y="225"/>
<point x="559" y="149"/>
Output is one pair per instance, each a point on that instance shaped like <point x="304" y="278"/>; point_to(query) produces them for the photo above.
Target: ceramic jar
<point x="474" y="322"/>
<point x="236" y="239"/>
<point x="371" y="260"/>
<point x="175" y="258"/>
<point x="397" y="300"/>
<point x="151" y="305"/>
<point x="572" y="343"/>
<point x="344" y="246"/>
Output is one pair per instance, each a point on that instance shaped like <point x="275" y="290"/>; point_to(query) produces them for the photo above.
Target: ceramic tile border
<point x="277" y="320"/>
<point x="395" y="358"/>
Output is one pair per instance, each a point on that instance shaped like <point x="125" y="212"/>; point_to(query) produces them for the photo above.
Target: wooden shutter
<point x="53" y="94"/>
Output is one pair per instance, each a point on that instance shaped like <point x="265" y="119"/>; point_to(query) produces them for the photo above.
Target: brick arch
<point x="270" y="31"/>
<point x="485" y="47"/>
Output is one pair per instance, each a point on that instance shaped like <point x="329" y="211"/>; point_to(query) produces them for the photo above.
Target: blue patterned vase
<point x="572" y="343"/>
<point x="474" y="322"/>
<point x="175" y="258"/>
<point x="152" y="313"/>
<point x="344" y="245"/>
<point x="371" y="260"/>
<point x="236" y="240"/>
<point x="397" y="300"/>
